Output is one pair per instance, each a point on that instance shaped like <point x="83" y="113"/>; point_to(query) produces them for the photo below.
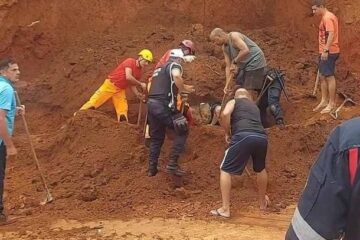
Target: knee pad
<point x="273" y="109"/>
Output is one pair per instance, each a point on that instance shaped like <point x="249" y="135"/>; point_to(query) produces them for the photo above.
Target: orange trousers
<point x="106" y="91"/>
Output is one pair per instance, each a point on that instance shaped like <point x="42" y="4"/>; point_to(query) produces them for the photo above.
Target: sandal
<point x="217" y="213"/>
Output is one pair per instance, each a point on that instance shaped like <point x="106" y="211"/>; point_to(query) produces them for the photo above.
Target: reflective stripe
<point x="302" y="229"/>
<point x="353" y="163"/>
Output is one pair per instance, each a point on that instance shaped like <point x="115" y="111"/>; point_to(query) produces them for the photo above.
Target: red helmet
<point x="189" y="45"/>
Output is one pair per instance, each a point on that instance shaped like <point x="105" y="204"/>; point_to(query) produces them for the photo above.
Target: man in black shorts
<point x="329" y="51"/>
<point x="247" y="138"/>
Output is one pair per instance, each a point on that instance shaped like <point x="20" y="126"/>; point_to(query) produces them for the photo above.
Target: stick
<point x="140" y="113"/>
<point x="316" y="83"/>
<point x="223" y="102"/>
<point x="49" y="198"/>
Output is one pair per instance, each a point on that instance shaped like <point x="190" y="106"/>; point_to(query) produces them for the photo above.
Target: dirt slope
<point x="96" y="167"/>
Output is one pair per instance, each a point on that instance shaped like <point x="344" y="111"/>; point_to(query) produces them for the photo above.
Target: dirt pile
<point x="96" y="167"/>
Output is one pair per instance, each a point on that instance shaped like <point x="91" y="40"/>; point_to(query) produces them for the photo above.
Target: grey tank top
<point x="253" y="61"/>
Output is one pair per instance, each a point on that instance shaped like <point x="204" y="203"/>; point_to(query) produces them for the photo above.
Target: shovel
<point x="49" y="197"/>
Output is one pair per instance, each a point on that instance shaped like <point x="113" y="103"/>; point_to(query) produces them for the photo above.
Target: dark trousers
<point x="2" y="173"/>
<point x="271" y="99"/>
<point x="160" y="118"/>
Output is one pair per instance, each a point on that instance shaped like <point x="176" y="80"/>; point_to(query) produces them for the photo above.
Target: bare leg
<point x="262" y="182"/>
<point x="225" y="186"/>
<point x="332" y="94"/>
<point x="324" y="94"/>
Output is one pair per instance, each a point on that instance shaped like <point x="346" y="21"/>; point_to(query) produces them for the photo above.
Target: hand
<point x="140" y="96"/>
<point x="20" y="110"/>
<point x="190" y="88"/>
<point x="143" y="86"/>
<point x="227" y="91"/>
<point x="189" y="58"/>
<point x="324" y="56"/>
<point x="11" y="151"/>
<point x="227" y="138"/>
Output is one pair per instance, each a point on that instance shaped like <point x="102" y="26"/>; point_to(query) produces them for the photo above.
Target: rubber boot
<point x="280" y="123"/>
<point x="152" y="170"/>
<point x="173" y="168"/>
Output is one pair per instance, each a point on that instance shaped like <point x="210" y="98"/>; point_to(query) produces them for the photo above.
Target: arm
<point x="329" y="40"/>
<point x="227" y="67"/>
<point x="239" y="43"/>
<point x="179" y="82"/>
<point x="136" y="92"/>
<point x="132" y="80"/>
<point x="4" y="135"/>
<point x="226" y="115"/>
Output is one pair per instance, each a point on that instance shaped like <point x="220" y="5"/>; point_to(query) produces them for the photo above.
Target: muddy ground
<point x="96" y="168"/>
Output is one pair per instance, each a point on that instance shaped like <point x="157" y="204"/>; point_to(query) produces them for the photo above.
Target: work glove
<point x="180" y="124"/>
<point x="189" y="58"/>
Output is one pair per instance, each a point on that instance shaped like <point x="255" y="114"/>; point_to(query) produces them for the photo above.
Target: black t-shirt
<point x="245" y="117"/>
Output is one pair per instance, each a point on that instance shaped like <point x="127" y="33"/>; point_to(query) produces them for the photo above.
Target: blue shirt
<point x="7" y="103"/>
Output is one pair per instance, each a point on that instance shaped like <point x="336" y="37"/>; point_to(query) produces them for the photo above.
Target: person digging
<point x="246" y="138"/>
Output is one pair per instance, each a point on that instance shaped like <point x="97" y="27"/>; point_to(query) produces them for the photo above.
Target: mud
<point x="96" y="167"/>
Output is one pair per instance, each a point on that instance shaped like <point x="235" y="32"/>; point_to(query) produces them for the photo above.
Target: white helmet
<point x="177" y="53"/>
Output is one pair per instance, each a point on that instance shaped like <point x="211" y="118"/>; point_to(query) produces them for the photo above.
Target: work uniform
<point x="271" y="96"/>
<point x="252" y="69"/>
<point x="115" y="87"/>
<point x="248" y="139"/>
<point x="162" y="108"/>
<point x="330" y="203"/>
<point x="8" y="104"/>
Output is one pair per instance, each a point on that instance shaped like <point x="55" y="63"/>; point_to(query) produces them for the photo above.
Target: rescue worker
<point x="269" y="96"/>
<point x="330" y="203"/>
<point x="188" y="48"/>
<point x="127" y="74"/>
<point x="247" y="138"/>
<point x="163" y="113"/>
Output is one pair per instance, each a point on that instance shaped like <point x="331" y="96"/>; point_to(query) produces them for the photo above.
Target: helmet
<point x="146" y="54"/>
<point x="177" y="53"/>
<point x="190" y="45"/>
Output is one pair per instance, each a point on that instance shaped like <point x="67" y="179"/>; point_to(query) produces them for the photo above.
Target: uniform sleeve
<point x="329" y="25"/>
<point x="353" y="223"/>
<point x="6" y="97"/>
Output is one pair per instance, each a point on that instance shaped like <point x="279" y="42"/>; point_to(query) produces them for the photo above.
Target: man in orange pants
<point x="127" y="74"/>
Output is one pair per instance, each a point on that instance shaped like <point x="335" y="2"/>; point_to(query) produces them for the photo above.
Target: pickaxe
<point x="335" y="113"/>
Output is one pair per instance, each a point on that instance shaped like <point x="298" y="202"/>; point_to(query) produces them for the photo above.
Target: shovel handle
<point x="33" y="150"/>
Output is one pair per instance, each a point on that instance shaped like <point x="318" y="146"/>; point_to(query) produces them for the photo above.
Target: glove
<point x="189" y="58"/>
<point x="180" y="124"/>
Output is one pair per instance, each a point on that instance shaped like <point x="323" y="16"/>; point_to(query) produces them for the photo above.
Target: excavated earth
<point x="96" y="168"/>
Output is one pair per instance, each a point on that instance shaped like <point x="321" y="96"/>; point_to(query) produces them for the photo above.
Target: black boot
<point x="280" y="123"/>
<point x="152" y="170"/>
<point x="173" y="168"/>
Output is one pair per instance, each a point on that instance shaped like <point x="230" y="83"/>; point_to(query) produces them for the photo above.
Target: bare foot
<point x="265" y="203"/>
<point x="220" y="213"/>
<point x="327" y="109"/>
<point x="320" y="106"/>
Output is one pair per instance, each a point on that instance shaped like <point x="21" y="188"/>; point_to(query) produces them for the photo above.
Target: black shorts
<point x="327" y="67"/>
<point x="244" y="145"/>
<point x="251" y="80"/>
